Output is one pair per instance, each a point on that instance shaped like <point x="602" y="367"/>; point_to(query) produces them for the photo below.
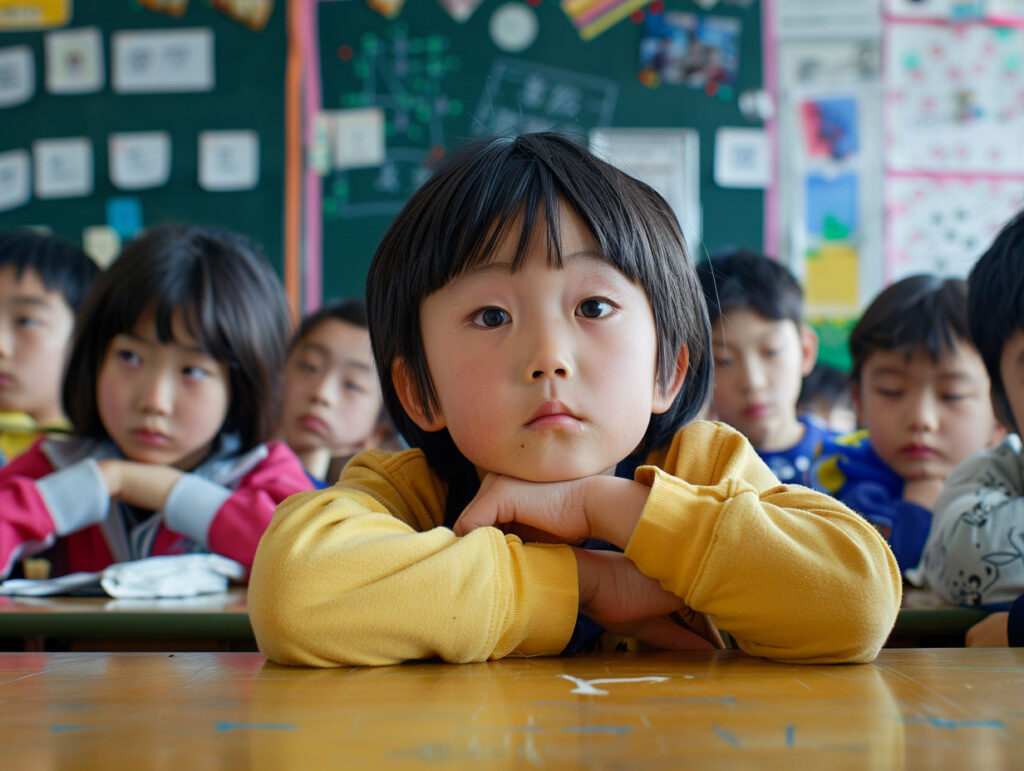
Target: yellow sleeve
<point x="790" y="573"/>
<point x="363" y="573"/>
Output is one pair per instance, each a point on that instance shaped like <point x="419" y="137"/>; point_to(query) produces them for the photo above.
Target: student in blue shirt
<point x="762" y="351"/>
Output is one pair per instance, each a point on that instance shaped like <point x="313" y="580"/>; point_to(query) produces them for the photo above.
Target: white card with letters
<point x="63" y="167"/>
<point x="140" y="159"/>
<point x="15" y="179"/>
<point x="229" y="160"/>
<point x="74" y="61"/>
<point x="163" y="61"/>
<point x="17" y="75"/>
<point x="359" y="138"/>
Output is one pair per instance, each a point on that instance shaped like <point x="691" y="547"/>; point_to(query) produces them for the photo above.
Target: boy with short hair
<point x="975" y="553"/>
<point x="762" y="351"/>
<point x="43" y="280"/>
<point x="922" y="395"/>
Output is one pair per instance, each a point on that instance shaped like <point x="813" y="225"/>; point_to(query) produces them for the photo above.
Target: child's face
<point x="162" y="402"/>
<point x="332" y="398"/>
<point x="924" y="416"/>
<point x="1011" y="367"/>
<point x="542" y="374"/>
<point x="759" y="366"/>
<point x="35" y="327"/>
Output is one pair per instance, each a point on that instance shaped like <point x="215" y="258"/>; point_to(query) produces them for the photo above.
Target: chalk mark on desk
<point x="726" y="735"/>
<point x="949" y="725"/>
<point x="226" y="725"/>
<point x="615" y="730"/>
<point x="60" y="729"/>
<point x="586" y="687"/>
<point x="790" y="735"/>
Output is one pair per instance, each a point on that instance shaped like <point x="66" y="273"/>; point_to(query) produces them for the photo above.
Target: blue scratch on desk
<point x="722" y="733"/>
<point x="617" y="730"/>
<point x="941" y="722"/>
<point x="59" y="729"/>
<point x="790" y="734"/>
<point x="229" y="726"/>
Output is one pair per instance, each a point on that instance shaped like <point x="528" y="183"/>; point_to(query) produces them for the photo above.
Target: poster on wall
<point x="34" y="14"/>
<point x="684" y="48"/>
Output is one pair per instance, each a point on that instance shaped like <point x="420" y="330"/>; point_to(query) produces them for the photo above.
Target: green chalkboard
<point x="440" y="83"/>
<point x="248" y="95"/>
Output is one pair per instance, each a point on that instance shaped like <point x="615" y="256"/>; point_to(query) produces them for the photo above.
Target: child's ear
<point x="808" y="349"/>
<point x="663" y="397"/>
<point x="409" y="396"/>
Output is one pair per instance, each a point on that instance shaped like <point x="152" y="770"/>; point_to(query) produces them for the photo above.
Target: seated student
<point x="333" y="405"/>
<point x="975" y="554"/>
<point x="826" y="393"/>
<point x="762" y="350"/>
<point x="999" y="630"/>
<point x="922" y="395"/>
<point x="172" y="387"/>
<point x="529" y="346"/>
<point x="42" y="282"/>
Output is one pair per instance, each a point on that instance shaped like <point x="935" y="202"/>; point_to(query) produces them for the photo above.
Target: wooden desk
<point x="942" y="708"/>
<point x="214" y="622"/>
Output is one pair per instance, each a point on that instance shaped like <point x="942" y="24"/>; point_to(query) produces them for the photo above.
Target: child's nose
<point x="156" y="394"/>
<point x="325" y="391"/>
<point x="549" y="356"/>
<point x="923" y="413"/>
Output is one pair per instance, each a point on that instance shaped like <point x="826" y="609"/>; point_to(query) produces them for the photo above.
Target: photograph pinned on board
<point x="830" y="127"/>
<point x="684" y="48"/>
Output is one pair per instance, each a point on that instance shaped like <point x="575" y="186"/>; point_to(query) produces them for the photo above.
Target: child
<point x="333" y="405"/>
<point x="922" y="395"/>
<point x="762" y="350"/>
<point x="42" y="282"/>
<point x="172" y="387"/>
<point x="826" y="394"/>
<point x="975" y="554"/>
<point x="536" y="321"/>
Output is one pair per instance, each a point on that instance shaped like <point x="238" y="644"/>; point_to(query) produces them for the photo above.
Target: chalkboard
<point x="441" y="83"/>
<point x="248" y="94"/>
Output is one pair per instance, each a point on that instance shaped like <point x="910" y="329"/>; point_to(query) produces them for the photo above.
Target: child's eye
<point x="29" y="321"/>
<point x="128" y="357"/>
<point x="723" y="362"/>
<point x="351" y="385"/>
<point x="196" y="373"/>
<point x="889" y="393"/>
<point x="491" y="318"/>
<point x="595" y="308"/>
<point x="770" y="353"/>
<point x="307" y="367"/>
<point x="953" y="397"/>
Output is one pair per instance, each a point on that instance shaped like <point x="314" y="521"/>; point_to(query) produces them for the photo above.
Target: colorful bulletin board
<point x="430" y="81"/>
<point x="954" y="135"/>
<point x="122" y="117"/>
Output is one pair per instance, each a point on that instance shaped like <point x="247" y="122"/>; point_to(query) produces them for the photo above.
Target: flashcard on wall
<point x="139" y="160"/>
<point x="63" y="167"/>
<point x="124" y="216"/>
<point x="34" y="14"/>
<point x="17" y="75"/>
<point x="252" y="13"/>
<point x="831" y="205"/>
<point x="15" y="179"/>
<point x="229" y="160"/>
<point x="359" y="138"/>
<point x="830" y="280"/>
<point x="74" y="61"/>
<point x="742" y="157"/>
<point x="938" y="225"/>
<point x="162" y="61"/>
<point x="830" y="127"/>
<point x="460" y="10"/>
<point x="102" y="243"/>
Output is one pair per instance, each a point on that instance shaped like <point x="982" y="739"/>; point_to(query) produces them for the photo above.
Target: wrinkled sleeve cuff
<point x="76" y="496"/>
<point x="191" y="506"/>
<point x="549" y="616"/>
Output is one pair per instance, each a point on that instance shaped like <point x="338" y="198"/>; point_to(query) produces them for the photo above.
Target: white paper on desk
<point x="63" y="167"/>
<point x="160" y="61"/>
<point x="140" y="159"/>
<point x="74" y="61"/>
<point x="15" y="179"/>
<point x="17" y="75"/>
<point x="178" y="575"/>
<point x="229" y="160"/>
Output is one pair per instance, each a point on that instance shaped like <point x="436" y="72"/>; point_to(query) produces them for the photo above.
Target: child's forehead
<point x="744" y="324"/>
<point x="962" y="359"/>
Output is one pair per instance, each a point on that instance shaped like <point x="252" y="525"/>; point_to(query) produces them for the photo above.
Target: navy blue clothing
<point x="849" y="469"/>
<point x="1015" y="623"/>
<point x="793" y="465"/>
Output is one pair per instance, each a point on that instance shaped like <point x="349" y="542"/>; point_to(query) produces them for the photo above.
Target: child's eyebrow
<point x="584" y="255"/>
<point x="25" y="299"/>
<point x="346" y="362"/>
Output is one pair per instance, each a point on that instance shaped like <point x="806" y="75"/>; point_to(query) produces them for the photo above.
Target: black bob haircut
<point x="995" y="306"/>
<point x="506" y="187"/>
<point x="740" y="279"/>
<point x="923" y="313"/>
<point x="232" y="303"/>
<point x="61" y="266"/>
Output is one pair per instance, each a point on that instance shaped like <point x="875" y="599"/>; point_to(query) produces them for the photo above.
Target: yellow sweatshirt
<point x="364" y="573"/>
